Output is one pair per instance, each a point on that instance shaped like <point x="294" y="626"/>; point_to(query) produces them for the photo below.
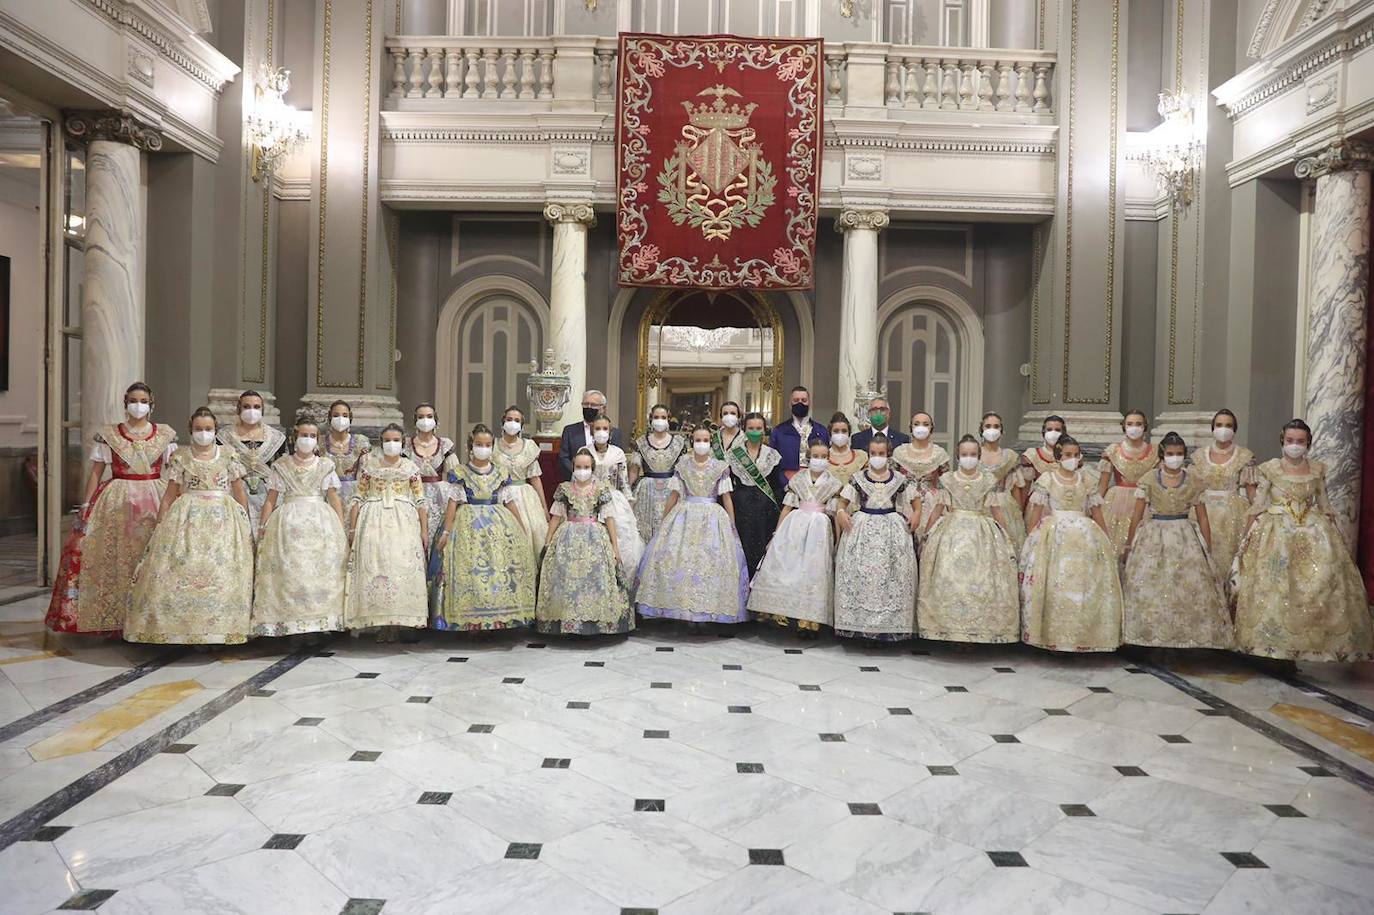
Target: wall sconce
<point x="274" y="127"/>
<point x="1172" y="152"/>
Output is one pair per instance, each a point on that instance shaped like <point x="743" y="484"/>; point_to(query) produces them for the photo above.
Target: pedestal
<point x="859" y="298"/>
<point x="568" y="295"/>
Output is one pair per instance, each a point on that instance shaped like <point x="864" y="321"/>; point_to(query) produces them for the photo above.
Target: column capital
<point x="1343" y="155"/>
<point x="114" y="125"/>
<point x="581" y="213"/>
<point x="855" y="218"/>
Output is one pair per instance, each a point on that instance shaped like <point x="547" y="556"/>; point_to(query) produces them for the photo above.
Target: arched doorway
<point x="700" y="348"/>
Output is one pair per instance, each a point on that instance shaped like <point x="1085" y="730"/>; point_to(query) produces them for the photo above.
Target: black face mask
<point x="590" y="413"/>
<point x="799" y="410"/>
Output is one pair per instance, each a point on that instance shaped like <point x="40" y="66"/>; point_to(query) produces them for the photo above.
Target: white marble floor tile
<point x="1338" y="801"/>
<point x="293" y="749"/>
<point x="1322" y="852"/>
<point x="884" y="688"/>
<point x="651" y="708"/>
<point x="340" y="697"/>
<point x="918" y="740"/>
<point x="973" y="813"/>
<point x="542" y="804"/>
<point x="24" y="787"/>
<point x="800" y="668"/>
<point x="34" y="878"/>
<point x="582" y="683"/>
<point x="984" y="714"/>
<point x="164" y="779"/>
<point x="459" y="762"/>
<point x="1144" y="686"/>
<point x="503" y="887"/>
<point x="655" y="768"/>
<point x="1243" y="773"/>
<point x="1135" y="714"/>
<point x="327" y="795"/>
<point x="1050" y="776"/>
<point x="313" y="672"/>
<point x="126" y="850"/>
<point x="1091" y="740"/>
<point x="1190" y="815"/>
<point x="390" y="728"/>
<point x="757" y="810"/>
<point x="497" y="704"/>
<point x="767" y="891"/>
<point x="821" y="712"/>
<point x="260" y="882"/>
<point x="1026" y="891"/>
<point x="643" y="859"/>
<point x="13" y="705"/>
<point x="946" y="670"/>
<point x="250" y="717"/>
<point x="1253" y="891"/>
<point x="572" y="733"/>
<point x="744" y="738"/>
<point x="841" y="769"/>
<point x="1028" y="689"/>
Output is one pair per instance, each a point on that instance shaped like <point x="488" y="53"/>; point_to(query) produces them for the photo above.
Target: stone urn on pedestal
<point x="863" y="393"/>
<point x="548" y="390"/>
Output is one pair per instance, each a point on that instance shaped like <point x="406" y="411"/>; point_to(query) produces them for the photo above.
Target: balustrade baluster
<point x="985" y="86"/>
<point x="891" y="87"/>
<point x="416" y="73"/>
<point x="932" y="84"/>
<point x="1023" y="87"/>
<point x="605" y="63"/>
<point x="1042" y="90"/>
<point x="436" y="73"/>
<point x="490" y="75"/>
<point x="508" y="73"/>
<point x="453" y="72"/>
<point x="1005" y="101"/>
<point x="833" y="86"/>
<point x="527" y="58"/>
<point x="911" y="84"/>
<point x="949" y="85"/>
<point x="968" y="99"/>
<point x="470" y="74"/>
<point x="545" y="73"/>
<point x="398" y="73"/>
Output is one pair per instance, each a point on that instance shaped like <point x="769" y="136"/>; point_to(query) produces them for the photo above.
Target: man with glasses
<point x="579" y="435"/>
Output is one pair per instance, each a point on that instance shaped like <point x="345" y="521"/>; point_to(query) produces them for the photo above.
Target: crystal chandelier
<point x="697" y="338"/>
<point x="1173" y="151"/>
<point x="274" y="128"/>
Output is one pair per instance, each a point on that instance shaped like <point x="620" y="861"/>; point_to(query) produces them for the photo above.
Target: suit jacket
<point x="860" y="441"/>
<point x="787" y="442"/>
<point x="574" y="437"/>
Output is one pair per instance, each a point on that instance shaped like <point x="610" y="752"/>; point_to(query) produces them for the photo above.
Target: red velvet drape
<point x="1366" y="548"/>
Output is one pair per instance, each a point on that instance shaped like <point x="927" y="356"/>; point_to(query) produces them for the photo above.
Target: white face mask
<point x="391" y="448"/>
<point x="1052" y="436"/>
<point x="1135" y="433"/>
<point x="702" y="448"/>
<point x="426" y="423"/>
<point x="1223" y="434"/>
<point x="481" y="452"/>
<point x="878" y="462"/>
<point x="817" y="464"/>
<point x="138" y="409"/>
<point x="840" y="439"/>
<point x="920" y="433"/>
<point x="1069" y="464"/>
<point x="601" y="436"/>
<point x="251" y="416"/>
<point x="659" y="425"/>
<point x="991" y="434"/>
<point x="511" y="427"/>
<point x="729" y="420"/>
<point x="1294" y="451"/>
<point x="305" y="444"/>
<point x="968" y="462"/>
<point x="340" y="423"/>
<point x="203" y="437"/>
<point x="582" y="474"/>
<point x="1173" y="461"/>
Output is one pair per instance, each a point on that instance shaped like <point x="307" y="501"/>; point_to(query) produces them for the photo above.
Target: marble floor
<point x="675" y="773"/>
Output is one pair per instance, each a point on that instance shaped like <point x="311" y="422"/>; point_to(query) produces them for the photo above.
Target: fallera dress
<point x="303" y="553"/>
<point x="1172" y="597"/>
<point x="756" y="483"/>
<point x="694" y="567"/>
<point x="194" y="585"/>
<point x="579" y="590"/>
<point x="848" y="465"/>
<point x="968" y="590"/>
<point x="522" y="466"/>
<point x="256" y="458"/>
<point x="612" y="468"/>
<point x="386" y="562"/>
<point x="796" y="579"/>
<point x="1034" y="463"/>
<point x="96" y="571"/>
<point x="345" y="459"/>
<point x="433" y="467"/>
<point x="1119" y="502"/>
<point x="1070" y="588"/>
<point x="1227" y="498"/>
<point x="875" y="564"/>
<point x="656" y="468"/>
<point x="1007" y="472"/>
<point x="923" y="470"/>
<point x="1297" y="592"/>
<point x="487" y="579"/>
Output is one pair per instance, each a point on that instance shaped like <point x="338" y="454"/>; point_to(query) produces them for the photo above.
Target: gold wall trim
<point x="326" y="46"/>
<point x="1037" y="266"/>
<point x="392" y="221"/>
<point x="367" y="188"/>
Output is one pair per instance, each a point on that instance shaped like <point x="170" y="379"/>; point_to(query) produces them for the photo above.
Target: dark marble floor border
<point x="16" y="598"/>
<point x="1281" y="737"/>
<point x="76" y="700"/>
<point x="1336" y="699"/>
<point x="23" y="824"/>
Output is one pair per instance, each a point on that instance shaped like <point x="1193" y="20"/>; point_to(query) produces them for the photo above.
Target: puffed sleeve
<point x="1263" y="496"/>
<point x="1094" y="500"/>
<point x="506" y="494"/>
<point x="942" y="497"/>
<point x="847" y="494"/>
<point x="558" y="507"/>
<point x="363" y="489"/>
<point x="276" y="480"/>
<point x="992" y="500"/>
<point x="634" y="458"/>
<point x="236" y="469"/>
<point x="790" y="498"/>
<point x="724" y="485"/>
<point x="362" y="442"/>
<point x="100" y="452"/>
<point x="1249" y="475"/>
<point x="533" y="470"/>
<point x="1142" y="492"/>
<point x="1319" y="470"/>
<point x="1040" y="492"/>
<point x="417" y="488"/>
<point x="172" y="472"/>
<point x="675" y="485"/>
<point x="170" y="450"/>
<point x="330" y="481"/>
<point x="456" y="491"/>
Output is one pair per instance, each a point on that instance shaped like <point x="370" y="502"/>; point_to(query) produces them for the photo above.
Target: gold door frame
<point x="650" y="374"/>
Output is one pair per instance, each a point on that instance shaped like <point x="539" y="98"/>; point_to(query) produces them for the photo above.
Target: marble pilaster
<point x="859" y="299"/>
<point x="112" y="291"/>
<point x="1338" y="301"/>
<point x="734" y="390"/>
<point x="568" y="295"/>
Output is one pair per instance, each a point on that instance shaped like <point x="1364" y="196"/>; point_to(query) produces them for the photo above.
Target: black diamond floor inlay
<point x="1318" y="771"/>
<point x="536" y="645"/>
<point x="363" y="907"/>
<point x="579" y="705"/>
<point x="1174" y="738"/>
<point x="832" y="738"/>
<point x="749" y="768"/>
<point x="481" y="728"/>
<point x="365" y="756"/>
<point x="739" y="709"/>
<point x="188" y="747"/>
<point x="868" y="670"/>
<point x="1098" y="689"/>
<point x="368" y="675"/>
<point x="457" y="660"/>
<point x="791" y="651"/>
<point x="284" y="841"/>
<point x="660" y="684"/>
<point x="1284" y="810"/>
<point x="593" y="663"/>
<point x="1005" y="670"/>
<point x="650" y="805"/>
<point x="1136" y="670"/>
<point x="865" y="810"/>
<point x="625" y="911"/>
<point x="86" y="901"/>
<point x="956" y="689"/>
<point x="1131" y="771"/>
<point x="899" y="710"/>
<point x="1006" y="738"/>
<point x="943" y="770"/>
<point x="224" y="790"/>
<point x="1077" y="810"/>
<point x="553" y="762"/>
<point x="655" y="735"/>
<point x="512" y="679"/>
<point x="525" y="851"/>
<point x="732" y="667"/>
<point x="1056" y="711"/>
<point x="771" y="856"/>
<point x="664" y="648"/>
<point x="437" y="798"/>
<point x="420" y="700"/>
<point x="1243" y="859"/>
<point x="324" y="654"/>
<point x="809" y="687"/>
<point x="1007" y="859"/>
<point x="48" y="833"/>
<point x="308" y="722"/>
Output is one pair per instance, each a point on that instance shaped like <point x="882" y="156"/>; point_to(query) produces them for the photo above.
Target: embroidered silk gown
<point x="345" y="459"/>
<point x="923" y="471"/>
<point x="1226" y="495"/>
<point x="1070" y="589"/>
<point x="194" y="585"/>
<point x="488" y="573"/>
<point x="656" y="472"/>
<point x="851" y="464"/>
<point x="1119" y="502"/>
<point x="796" y="579"/>
<point x="612" y="468"/>
<point x="386" y="563"/>
<point x="1296" y="591"/>
<point x="96" y="571"/>
<point x="694" y="568"/>
<point x="303" y="553"/>
<point x="255" y="458"/>
<point x="1008" y="474"/>
<point x="1034" y="463"/>
<point x="1172" y="596"/>
<point x="875" y="564"/>
<point x="756" y="500"/>
<point x="522" y="466"/>
<point x="433" y="466"/>
<point x="968" y="590"/>
<point x="579" y="590"/>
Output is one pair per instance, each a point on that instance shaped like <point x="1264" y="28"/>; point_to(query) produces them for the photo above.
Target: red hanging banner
<point x="718" y="145"/>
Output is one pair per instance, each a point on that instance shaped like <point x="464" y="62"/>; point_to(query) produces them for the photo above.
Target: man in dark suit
<point x="879" y="417"/>
<point x="789" y="439"/>
<point x="579" y="435"/>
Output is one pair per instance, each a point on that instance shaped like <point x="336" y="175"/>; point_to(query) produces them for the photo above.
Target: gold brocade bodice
<point x="1035" y="459"/>
<point x="1125" y="469"/>
<point x="1230" y="475"/>
<point x="379" y="481"/>
<point x="212" y="475"/>
<point x="1002" y="471"/>
<point x="582" y="502"/>
<point x="701" y="479"/>
<point x="1171" y="500"/>
<point x="345" y="459"/>
<point x="1063" y="496"/>
<point x="878" y="495"/>
<point x="968" y="494"/>
<point x="302" y="479"/>
<point x="922" y="468"/>
<point x="517" y="464"/>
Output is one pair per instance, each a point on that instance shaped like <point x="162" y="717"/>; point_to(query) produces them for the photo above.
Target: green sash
<point x="741" y="453"/>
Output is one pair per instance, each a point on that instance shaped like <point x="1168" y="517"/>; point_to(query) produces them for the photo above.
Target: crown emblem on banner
<point x="710" y="115"/>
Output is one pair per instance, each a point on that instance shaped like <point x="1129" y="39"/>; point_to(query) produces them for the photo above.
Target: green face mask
<point x="754" y="435"/>
<point x="878" y="420"/>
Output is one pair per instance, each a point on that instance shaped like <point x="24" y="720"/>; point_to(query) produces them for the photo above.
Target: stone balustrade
<point x="910" y="78"/>
<point x="500" y="69"/>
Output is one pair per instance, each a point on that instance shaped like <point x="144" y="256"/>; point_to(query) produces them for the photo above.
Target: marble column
<point x="112" y="306"/>
<point x="568" y="296"/>
<point x="735" y="388"/>
<point x="859" y="300"/>
<point x="1337" y="302"/>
